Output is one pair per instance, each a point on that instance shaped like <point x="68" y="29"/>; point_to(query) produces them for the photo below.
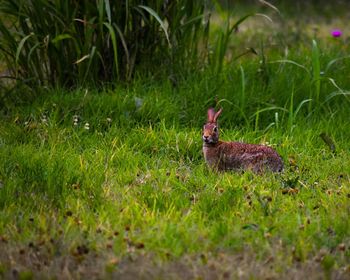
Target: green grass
<point x="134" y="186"/>
<point x="65" y="44"/>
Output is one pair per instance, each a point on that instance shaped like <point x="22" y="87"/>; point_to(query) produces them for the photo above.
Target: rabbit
<point x="222" y="156"/>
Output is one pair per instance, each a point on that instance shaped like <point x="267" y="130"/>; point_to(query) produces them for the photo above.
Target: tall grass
<point x="66" y="43"/>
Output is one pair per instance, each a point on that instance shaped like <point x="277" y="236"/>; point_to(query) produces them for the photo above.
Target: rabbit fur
<point x="221" y="156"/>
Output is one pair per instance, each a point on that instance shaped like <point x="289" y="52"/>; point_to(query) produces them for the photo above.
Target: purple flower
<point x="336" y="33"/>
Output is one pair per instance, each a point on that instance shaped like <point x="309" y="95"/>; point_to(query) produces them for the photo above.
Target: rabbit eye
<point x="215" y="129"/>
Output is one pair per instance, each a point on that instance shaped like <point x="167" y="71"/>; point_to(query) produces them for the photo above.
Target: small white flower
<point x="44" y="119"/>
<point x="109" y="120"/>
<point x="87" y="126"/>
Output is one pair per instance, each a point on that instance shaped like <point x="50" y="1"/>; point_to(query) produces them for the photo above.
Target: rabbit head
<point x="210" y="133"/>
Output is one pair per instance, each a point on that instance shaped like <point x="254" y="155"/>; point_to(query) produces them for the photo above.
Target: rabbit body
<point x="223" y="156"/>
<point x="241" y="156"/>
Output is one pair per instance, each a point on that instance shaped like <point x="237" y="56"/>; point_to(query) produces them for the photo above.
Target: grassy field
<point x="111" y="183"/>
<point x="114" y="184"/>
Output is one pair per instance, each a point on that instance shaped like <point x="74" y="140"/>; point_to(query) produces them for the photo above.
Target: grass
<point x="112" y="183"/>
<point x="133" y="189"/>
<point x="64" y="44"/>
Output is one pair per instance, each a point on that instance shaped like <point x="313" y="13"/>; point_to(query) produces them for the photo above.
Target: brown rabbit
<point x="222" y="156"/>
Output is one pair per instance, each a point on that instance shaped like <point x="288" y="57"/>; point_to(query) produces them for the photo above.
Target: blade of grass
<point x="333" y="61"/>
<point x="90" y="57"/>
<point x="340" y="91"/>
<point x="243" y="93"/>
<point x="316" y="76"/>
<point x="20" y="47"/>
<point x="270" y="109"/>
<point x="60" y="37"/>
<point x="127" y="55"/>
<point x="291" y="113"/>
<point x="282" y="61"/>
<point x="108" y="11"/>
<point x="156" y="16"/>
<point x="115" y="46"/>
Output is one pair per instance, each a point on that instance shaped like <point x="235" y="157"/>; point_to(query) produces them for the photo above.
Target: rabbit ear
<point x="217" y="114"/>
<point x="211" y="115"/>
